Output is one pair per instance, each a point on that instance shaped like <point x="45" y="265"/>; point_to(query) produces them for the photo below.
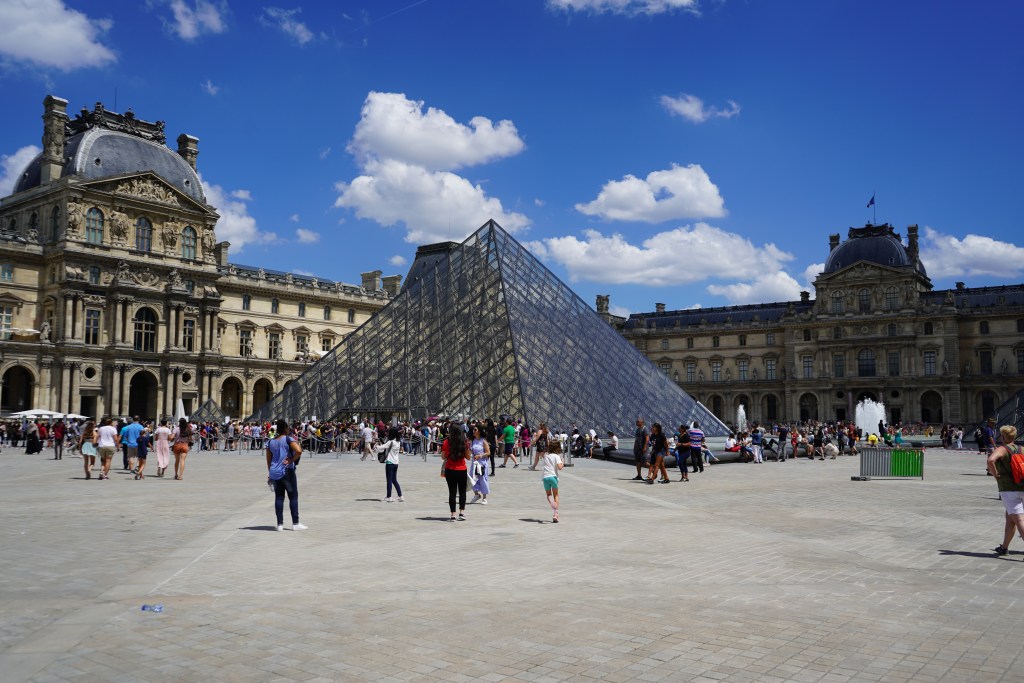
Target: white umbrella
<point x="36" y="412"/>
<point x="76" y="416"/>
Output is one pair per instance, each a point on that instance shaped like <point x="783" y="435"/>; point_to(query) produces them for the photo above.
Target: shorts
<point x="106" y="452"/>
<point x="142" y="456"/>
<point x="1013" y="501"/>
<point x="508" y="448"/>
<point x="179" y="448"/>
<point x="133" y="451"/>
<point x="550" y="483"/>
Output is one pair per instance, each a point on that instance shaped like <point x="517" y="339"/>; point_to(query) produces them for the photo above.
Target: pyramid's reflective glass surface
<point x="483" y="329"/>
<point x="208" y="412"/>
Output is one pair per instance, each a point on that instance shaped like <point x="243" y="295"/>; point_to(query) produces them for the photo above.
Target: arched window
<point x="94" y="226"/>
<point x="188" y="243"/>
<point x="351" y="315"/>
<point x="143" y="234"/>
<point x="55" y="223"/>
<point x="864" y="301"/>
<point x="13" y="225"/>
<point x="327" y="312"/>
<point x="866" y="363"/>
<point x="246" y="302"/>
<point x="891" y="299"/>
<point x="275" y="306"/>
<point x="302" y="309"/>
<point x="145" y="330"/>
<point x="983" y="327"/>
<point x="837" y="302"/>
<point x="33" y="223"/>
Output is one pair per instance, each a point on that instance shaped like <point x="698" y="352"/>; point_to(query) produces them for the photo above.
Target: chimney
<point x="54" y="117"/>
<point x="393" y="285"/>
<point x="912" y="242"/>
<point x="659" y="308"/>
<point x="602" y="303"/>
<point x="188" y="149"/>
<point x="220" y="253"/>
<point x="371" y="280"/>
<point x="833" y="242"/>
<point x="805" y="297"/>
<point x="960" y="286"/>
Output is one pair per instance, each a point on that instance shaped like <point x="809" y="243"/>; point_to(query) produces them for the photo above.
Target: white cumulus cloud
<point x="397" y="260"/>
<point x="974" y="255"/>
<point x="48" y="33"/>
<point x="629" y="7"/>
<point x="244" y="195"/>
<point x="810" y="274"/>
<point x="434" y="206"/>
<point x="285" y="20"/>
<point x="307" y="236"/>
<point x="235" y="224"/>
<point x="612" y="259"/>
<point x="395" y="127"/>
<point x="765" y="287"/>
<point x="679" y="192"/>
<point x="210" y="88"/>
<point x="192" y="20"/>
<point x="294" y="218"/>
<point x="692" y="108"/>
<point x="12" y="166"/>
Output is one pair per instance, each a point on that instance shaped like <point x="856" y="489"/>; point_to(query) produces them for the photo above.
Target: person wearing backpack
<point x="1006" y="465"/>
<point x="387" y="453"/>
<point x="283" y="455"/>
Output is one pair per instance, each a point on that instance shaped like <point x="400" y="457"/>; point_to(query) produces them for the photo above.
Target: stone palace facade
<point x="116" y="298"/>
<point x="876" y="329"/>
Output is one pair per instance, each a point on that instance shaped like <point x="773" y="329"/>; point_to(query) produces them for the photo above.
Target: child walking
<point x="552" y="460"/>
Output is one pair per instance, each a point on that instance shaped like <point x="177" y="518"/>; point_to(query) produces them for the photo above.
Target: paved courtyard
<point x="773" y="572"/>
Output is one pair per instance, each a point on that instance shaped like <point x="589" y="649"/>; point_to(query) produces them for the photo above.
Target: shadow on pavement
<point x="964" y="553"/>
<point x="433" y="519"/>
<point x="258" y="528"/>
<point x="535" y="521"/>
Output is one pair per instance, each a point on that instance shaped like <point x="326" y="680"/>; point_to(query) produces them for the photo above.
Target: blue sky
<point x="691" y="152"/>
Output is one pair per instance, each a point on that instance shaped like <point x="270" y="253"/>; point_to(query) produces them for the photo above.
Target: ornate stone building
<point x="116" y="297"/>
<point x="877" y="330"/>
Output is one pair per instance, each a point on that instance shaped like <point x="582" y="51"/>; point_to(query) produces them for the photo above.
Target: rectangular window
<point x="245" y="343"/>
<point x="929" y="363"/>
<point x="838" y="365"/>
<point x="716" y="371"/>
<point x="744" y="369"/>
<point x="188" y="335"/>
<point x="326" y="344"/>
<point x="1020" y="361"/>
<point x="986" y="362"/>
<point x="666" y="367"/>
<point x="769" y="338"/>
<point x="302" y="344"/>
<point x="894" y="363"/>
<point x="769" y="368"/>
<point x="6" y="273"/>
<point x="275" y="345"/>
<point x="808" y="363"/>
<point x="689" y="342"/>
<point x="6" y="321"/>
<point x="92" y="327"/>
<point x="691" y="371"/>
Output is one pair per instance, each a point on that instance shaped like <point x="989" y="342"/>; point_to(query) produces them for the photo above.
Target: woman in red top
<point x="455" y="449"/>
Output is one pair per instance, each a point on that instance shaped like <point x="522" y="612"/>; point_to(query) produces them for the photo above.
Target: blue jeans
<point x="288" y="483"/>
<point x="391" y="472"/>
<point x="782" y="450"/>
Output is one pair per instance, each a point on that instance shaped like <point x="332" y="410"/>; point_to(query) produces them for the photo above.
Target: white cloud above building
<point x="286" y="20"/>
<point x="946" y="256"/>
<point x="676" y="193"/>
<point x="627" y="7"/>
<point x="693" y="109"/>
<point x="47" y="33"/>
<point x="188" y="20"/>
<point x="235" y="224"/>
<point x="13" y="165"/>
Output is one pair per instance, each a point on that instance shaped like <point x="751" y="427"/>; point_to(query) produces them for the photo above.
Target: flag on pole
<point x="872" y="202"/>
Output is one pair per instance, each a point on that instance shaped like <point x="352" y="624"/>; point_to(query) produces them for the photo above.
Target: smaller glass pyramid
<point x="483" y="329"/>
<point x="208" y="412"/>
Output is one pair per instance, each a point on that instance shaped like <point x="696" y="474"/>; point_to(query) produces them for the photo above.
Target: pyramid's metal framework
<point x="483" y="329"/>
<point x="208" y="412"/>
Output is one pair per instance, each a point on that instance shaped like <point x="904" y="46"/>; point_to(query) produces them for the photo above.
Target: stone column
<point x="113" y="321"/>
<point x="201" y="332"/>
<point x="115" y="389"/>
<point x="42" y="390"/>
<point x="177" y="389"/>
<point x="54" y="117"/>
<point x="79" y="330"/>
<point x="125" y="317"/>
<point x="67" y="333"/>
<point x="72" y="371"/>
<point x="65" y="386"/>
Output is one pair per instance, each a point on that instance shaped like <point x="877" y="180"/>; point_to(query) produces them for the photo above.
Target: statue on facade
<point x="118" y="226"/>
<point x="44" y="331"/>
<point x="123" y="271"/>
<point x="74" y="218"/>
<point x="753" y="373"/>
<point x="209" y="242"/>
<point x="945" y="367"/>
<point x="174" y="277"/>
<point x="170" y="234"/>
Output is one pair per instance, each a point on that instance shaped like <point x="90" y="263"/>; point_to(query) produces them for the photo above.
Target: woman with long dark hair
<point x="455" y="450"/>
<point x="283" y="453"/>
<point x="87" y="445"/>
<point x="480" y="450"/>
<point x="182" y="442"/>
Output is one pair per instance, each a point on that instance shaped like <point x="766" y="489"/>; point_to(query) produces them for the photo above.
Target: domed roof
<point x="874" y="244"/>
<point x="101" y="153"/>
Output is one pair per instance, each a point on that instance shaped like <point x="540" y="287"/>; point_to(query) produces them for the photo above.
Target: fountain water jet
<point x="867" y="416"/>
<point x="741" y="418"/>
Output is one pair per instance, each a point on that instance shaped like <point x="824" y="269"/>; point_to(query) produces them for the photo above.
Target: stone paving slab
<point x="771" y="572"/>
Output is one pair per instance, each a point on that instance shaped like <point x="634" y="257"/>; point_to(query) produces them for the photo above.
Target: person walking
<point x="1010" y="492"/>
<point x="480" y="450"/>
<point x="455" y="450"/>
<point x="283" y="454"/>
<point x="659" y="449"/>
<point x="87" y="445"/>
<point x="142" y="452"/>
<point x="182" y="442"/>
<point x="683" y="451"/>
<point x="162" y="446"/>
<point x="58" y="440"/>
<point x="107" y="441"/>
<point x="696" y="447"/>
<point x="543" y="441"/>
<point x="391" y="449"/>
<point x="552" y="464"/>
<point x="640" y="442"/>
<point x="508" y="434"/>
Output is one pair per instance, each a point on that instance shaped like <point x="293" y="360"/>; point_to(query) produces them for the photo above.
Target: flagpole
<point x="874" y="208"/>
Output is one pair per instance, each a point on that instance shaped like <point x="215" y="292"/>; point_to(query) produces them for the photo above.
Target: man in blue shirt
<point x="696" y="442"/>
<point x="130" y="437"/>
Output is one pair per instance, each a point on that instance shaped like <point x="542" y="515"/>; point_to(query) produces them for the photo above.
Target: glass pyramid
<point x="208" y="412"/>
<point x="483" y="329"/>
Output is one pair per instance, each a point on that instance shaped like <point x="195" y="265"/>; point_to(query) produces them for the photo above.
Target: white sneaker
<point x="388" y="500"/>
<point x="280" y="527"/>
<point x="299" y="527"/>
<point x="475" y="498"/>
<point x="483" y="502"/>
<point x="401" y="500"/>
